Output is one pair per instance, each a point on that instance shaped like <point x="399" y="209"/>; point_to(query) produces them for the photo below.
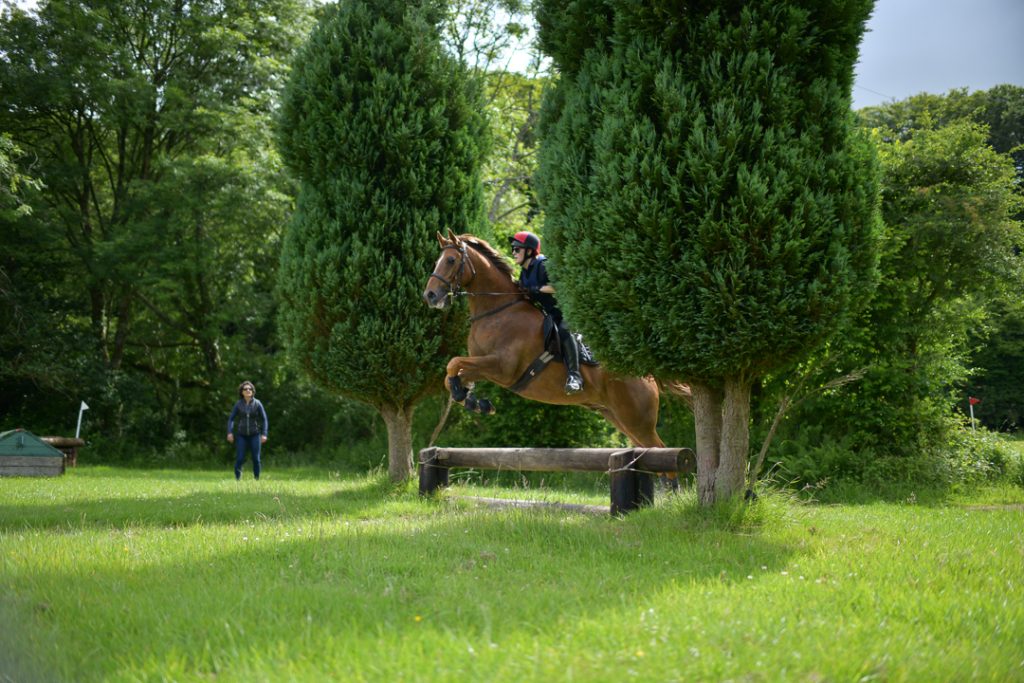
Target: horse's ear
<point x="440" y="239"/>
<point x="452" y="236"/>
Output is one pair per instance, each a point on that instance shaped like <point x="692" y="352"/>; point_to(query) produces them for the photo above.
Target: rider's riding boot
<point x="571" y="355"/>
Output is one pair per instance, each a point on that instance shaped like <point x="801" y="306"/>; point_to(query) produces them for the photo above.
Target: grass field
<point x="120" y="575"/>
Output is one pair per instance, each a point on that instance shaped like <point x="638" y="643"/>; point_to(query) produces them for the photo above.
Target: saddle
<point x="552" y="343"/>
<point x="552" y="351"/>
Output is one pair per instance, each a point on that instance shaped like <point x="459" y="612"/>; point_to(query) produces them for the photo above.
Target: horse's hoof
<point x="486" y="407"/>
<point x="669" y="483"/>
<point x="471" y="404"/>
<point x="459" y="392"/>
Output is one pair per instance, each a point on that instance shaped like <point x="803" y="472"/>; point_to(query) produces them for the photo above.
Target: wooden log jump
<point x="68" y="445"/>
<point x="630" y="469"/>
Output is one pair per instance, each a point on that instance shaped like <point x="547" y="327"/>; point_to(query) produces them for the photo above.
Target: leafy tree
<point x="149" y="123"/>
<point x="947" y="259"/>
<point x="709" y="205"/>
<point x="512" y="202"/>
<point x="996" y="361"/>
<point x="485" y="35"/>
<point x="482" y="34"/>
<point x="996" y="341"/>
<point x="385" y="132"/>
<point x="13" y="182"/>
<point x="31" y="349"/>
<point x="1000" y="109"/>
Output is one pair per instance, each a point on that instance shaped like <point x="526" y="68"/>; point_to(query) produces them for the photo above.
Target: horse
<point x="506" y="344"/>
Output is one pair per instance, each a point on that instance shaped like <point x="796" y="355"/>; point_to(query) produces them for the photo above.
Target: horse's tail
<point x="677" y="389"/>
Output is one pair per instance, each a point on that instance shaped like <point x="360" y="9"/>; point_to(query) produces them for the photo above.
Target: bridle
<point x="455" y="285"/>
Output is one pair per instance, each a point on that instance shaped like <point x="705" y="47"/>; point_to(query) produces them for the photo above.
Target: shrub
<point x="975" y="457"/>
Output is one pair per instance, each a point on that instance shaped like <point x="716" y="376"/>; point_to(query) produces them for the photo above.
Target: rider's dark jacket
<point x="533" y="278"/>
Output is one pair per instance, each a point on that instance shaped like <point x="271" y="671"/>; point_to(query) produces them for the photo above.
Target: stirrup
<point x="573" y="385"/>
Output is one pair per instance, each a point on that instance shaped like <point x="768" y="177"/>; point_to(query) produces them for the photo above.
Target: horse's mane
<point x="492" y="255"/>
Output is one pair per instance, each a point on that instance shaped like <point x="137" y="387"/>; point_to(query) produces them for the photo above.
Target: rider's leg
<point x="571" y="355"/>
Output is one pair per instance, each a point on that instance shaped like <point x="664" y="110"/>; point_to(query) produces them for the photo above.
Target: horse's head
<point x="453" y="270"/>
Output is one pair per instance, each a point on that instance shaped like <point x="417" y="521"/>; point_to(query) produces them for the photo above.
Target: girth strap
<point x="535" y="368"/>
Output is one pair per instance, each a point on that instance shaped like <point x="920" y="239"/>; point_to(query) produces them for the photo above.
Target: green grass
<point x="120" y="575"/>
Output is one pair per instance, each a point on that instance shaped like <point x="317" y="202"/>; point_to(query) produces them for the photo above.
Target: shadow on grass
<point x="271" y="472"/>
<point x="233" y="502"/>
<point x="479" y="578"/>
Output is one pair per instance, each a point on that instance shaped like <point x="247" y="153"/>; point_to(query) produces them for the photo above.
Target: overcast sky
<point x="915" y="46"/>
<point x="934" y="46"/>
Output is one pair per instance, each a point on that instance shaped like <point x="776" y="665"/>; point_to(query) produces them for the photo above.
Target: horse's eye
<point x="451" y="260"/>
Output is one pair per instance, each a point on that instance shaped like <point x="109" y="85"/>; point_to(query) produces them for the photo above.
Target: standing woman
<point x="247" y="428"/>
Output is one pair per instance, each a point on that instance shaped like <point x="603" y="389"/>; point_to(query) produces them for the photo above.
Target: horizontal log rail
<point x="561" y="459"/>
<point x="629" y="468"/>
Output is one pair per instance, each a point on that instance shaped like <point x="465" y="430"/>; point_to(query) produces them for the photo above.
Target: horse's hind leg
<point x="633" y="409"/>
<point x="649" y="438"/>
<point x="610" y="416"/>
<point x="636" y="415"/>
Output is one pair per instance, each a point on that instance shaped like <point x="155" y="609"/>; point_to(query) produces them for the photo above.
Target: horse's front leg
<point x="469" y="369"/>
<point x="463" y="372"/>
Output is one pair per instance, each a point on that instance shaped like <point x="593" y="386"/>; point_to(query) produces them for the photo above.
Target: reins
<point x="498" y="309"/>
<point x="455" y="284"/>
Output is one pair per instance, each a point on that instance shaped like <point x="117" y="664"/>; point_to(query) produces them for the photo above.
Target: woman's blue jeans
<point x="252" y="443"/>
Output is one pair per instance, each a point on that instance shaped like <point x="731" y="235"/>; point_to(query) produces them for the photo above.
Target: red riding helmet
<point x="526" y="240"/>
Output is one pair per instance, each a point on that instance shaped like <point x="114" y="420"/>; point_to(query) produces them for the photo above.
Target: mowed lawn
<point x="120" y="575"/>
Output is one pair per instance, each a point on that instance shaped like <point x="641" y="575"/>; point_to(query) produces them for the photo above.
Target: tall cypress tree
<point x="710" y="208"/>
<point x="386" y="135"/>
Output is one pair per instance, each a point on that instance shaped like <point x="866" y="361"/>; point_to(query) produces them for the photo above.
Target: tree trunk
<point x="735" y="444"/>
<point x="398" y="420"/>
<point x="722" y="421"/>
<point x="707" y="416"/>
<point x="124" y="316"/>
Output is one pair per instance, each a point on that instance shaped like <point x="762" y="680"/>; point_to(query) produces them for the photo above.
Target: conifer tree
<point x="710" y="208"/>
<point x="385" y="133"/>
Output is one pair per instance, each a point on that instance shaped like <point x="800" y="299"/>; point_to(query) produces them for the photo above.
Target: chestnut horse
<point x="505" y="339"/>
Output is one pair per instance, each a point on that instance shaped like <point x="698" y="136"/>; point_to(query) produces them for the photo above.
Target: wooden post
<point x="623" y="483"/>
<point x="433" y="475"/>
<point x="631" y="488"/>
<point x="644" y="489"/>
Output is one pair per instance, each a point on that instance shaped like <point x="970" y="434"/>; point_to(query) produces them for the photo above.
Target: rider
<point x="534" y="279"/>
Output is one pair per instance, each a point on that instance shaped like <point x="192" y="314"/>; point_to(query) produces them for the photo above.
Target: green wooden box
<point x="23" y="454"/>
